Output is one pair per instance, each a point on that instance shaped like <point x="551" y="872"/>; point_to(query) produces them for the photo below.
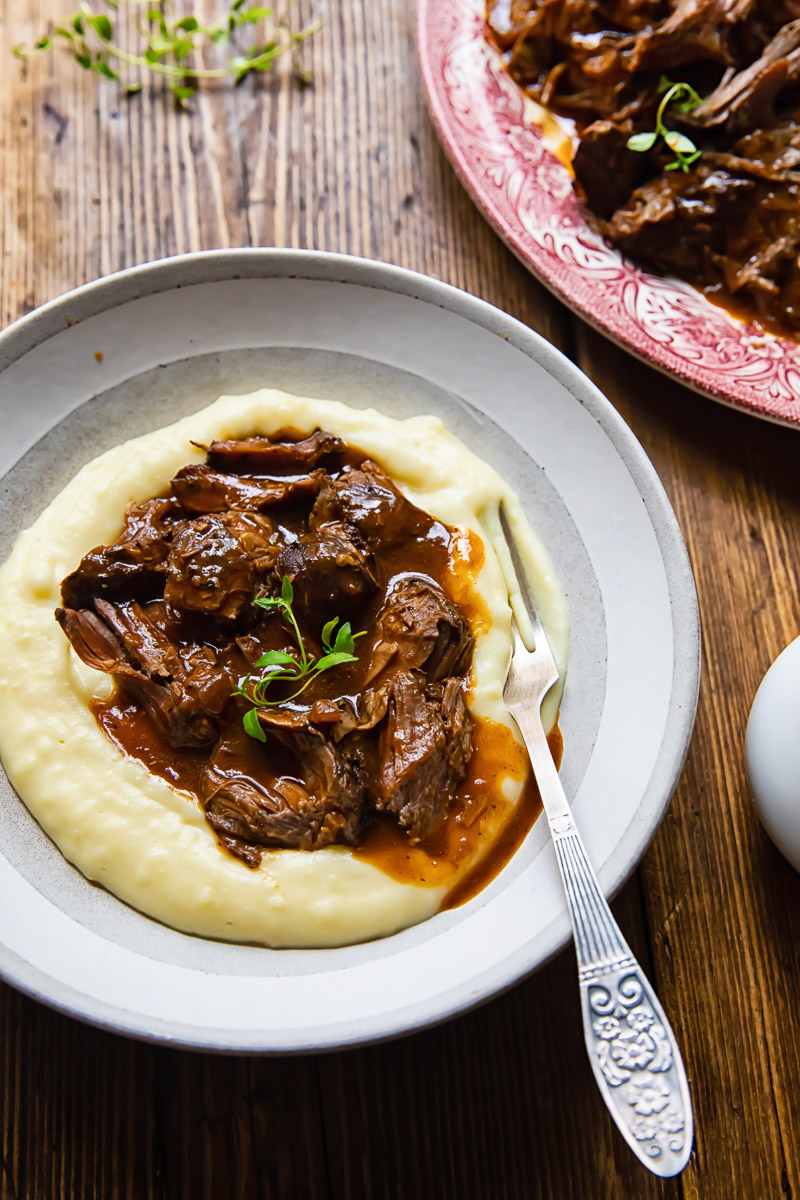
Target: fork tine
<point x="540" y="641"/>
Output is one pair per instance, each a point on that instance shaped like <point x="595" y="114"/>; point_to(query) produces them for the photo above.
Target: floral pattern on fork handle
<point x="631" y="1046"/>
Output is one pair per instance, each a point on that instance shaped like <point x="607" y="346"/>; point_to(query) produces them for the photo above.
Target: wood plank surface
<point x="501" y="1102"/>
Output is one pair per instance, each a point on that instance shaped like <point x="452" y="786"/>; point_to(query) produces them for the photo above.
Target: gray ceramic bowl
<point x="174" y="335"/>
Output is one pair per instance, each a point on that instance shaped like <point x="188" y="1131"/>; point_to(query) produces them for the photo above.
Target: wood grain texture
<point x="499" y="1103"/>
<point x="723" y="907"/>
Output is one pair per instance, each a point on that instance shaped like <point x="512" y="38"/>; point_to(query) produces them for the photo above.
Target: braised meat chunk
<point x="744" y="100"/>
<point x="673" y="221"/>
<point x="259" y="455"/>
<point x="365" y="499"/>
<point x="92" y="640"/>
<point x="320" y="804"/>
<point x="605" y="166"/>
<point x="420" y="627"/>
<point x="328" y="571"/>
<point x="425" y="751"/>
<point x="201" y="490"/>
<point x="184" y="693"/>
<point x="229" y="615"/>
<point x="216" y="562"/>
<point x="134" y="565"/>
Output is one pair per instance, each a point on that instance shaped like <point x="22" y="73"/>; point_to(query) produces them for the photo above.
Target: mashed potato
<point x="131" y="831"/>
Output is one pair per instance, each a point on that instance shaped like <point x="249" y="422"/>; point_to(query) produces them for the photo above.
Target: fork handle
<point x="632" y="1049"/>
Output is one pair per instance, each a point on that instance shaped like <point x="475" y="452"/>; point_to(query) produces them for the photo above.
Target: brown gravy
<point x="480" y="812"/>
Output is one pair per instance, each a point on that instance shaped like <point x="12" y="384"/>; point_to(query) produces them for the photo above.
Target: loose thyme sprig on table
<point x="685" y="99"/>
<point x="278" y="665"/>
<point x="169" y="42"/>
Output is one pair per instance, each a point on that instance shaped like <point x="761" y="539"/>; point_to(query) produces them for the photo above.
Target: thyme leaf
<point x="683" y="98"/>
<point x="301" y="667"/>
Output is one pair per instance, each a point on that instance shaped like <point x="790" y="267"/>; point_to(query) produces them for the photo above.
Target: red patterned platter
<point x="489" y="130"/>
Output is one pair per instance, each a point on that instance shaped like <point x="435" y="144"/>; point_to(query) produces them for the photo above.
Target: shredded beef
<point x="183" y="693"/>
<point x="605" y="166"/>
<point x="365" y="500"/>
<point x="727" y="224"/>
<point x="419" y="626"/>
<point x="134" y="565"/>
<point x="672" y="221"/>
<point x="180" y="611"/>
<point x="201" y="490"/>
<point x="323" y="807"/>
<point x="327" y="570"/>
<point x="217" y="561"/>
<point x="425" y="750"/>
<point x="743" y="100"/>
<point x="263" y="454"/>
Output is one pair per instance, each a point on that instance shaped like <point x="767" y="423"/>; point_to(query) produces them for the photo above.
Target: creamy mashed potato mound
<point x="131" y="831"/>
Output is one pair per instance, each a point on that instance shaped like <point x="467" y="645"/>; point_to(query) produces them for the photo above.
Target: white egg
<point x="772" y="752"/>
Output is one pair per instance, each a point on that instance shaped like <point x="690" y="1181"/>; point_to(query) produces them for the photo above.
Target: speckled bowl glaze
<point x="174" y="335"/>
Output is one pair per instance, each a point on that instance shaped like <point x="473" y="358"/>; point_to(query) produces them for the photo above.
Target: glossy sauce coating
<point x="481" y="811"/>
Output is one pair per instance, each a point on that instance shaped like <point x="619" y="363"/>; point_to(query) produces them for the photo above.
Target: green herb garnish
<point x="168" y="44"/>
<point x="275" y="665"/>
<point x="685" y="99"/>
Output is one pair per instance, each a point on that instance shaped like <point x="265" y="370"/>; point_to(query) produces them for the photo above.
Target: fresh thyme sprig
<point x="339" y="647"/>
<point x="684" y="98"/>
<point x="169" y="44"/>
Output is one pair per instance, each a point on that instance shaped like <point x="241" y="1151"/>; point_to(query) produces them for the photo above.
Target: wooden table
<point x="499" y="1103"/>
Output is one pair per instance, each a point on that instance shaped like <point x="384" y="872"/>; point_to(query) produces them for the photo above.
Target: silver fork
<point x="631" y="1046"/>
